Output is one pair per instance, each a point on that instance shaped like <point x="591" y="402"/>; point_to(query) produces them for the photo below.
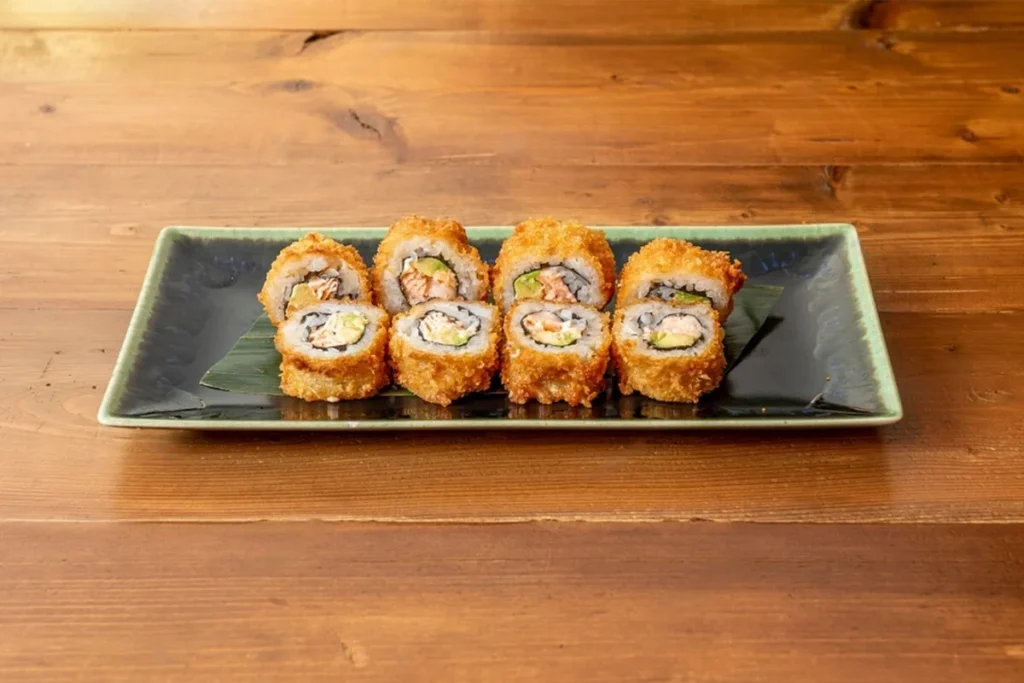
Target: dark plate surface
<point x="820" y="360"/>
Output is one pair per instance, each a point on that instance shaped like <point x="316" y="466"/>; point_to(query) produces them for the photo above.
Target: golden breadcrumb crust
<point x="529" y="373"/>
<point x="669" y="378"/>
<point x="666" y="257"/>
<point x="444" y="378"/>
<point x="301" y="382"/>
<point x="445" y="230"/>
<point x="315" y="243"/>
<point x="551" y="241"/>
<point x="336" y="379"/>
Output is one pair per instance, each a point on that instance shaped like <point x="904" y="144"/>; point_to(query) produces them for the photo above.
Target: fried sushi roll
<point x="679" y="272"/>
<point x="443" y="350"/>
<point x="312" y="270"/>
<point x="422" y="260"/>
<point x="334" y="351"/>
<point x="668" y="352"/>
<point x="551" y="260"/>
<point x="555" y="352"/>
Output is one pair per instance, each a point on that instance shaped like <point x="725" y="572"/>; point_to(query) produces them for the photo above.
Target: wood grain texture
<point x="560" y="103"/>
<point x="702" y="603"/>
<point x="528" y="15"/>
<point x="930" y="233"/>
<point x="116" y="134"/>
<point x="197" y="124"/>
<point x="956" y="456"/>
<point x="128" y="203"/>
<point x="458" y="60"/>
<point x="904" y="116"/>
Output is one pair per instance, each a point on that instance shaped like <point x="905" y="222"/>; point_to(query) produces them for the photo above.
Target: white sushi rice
<point x="464" y="311"/>
<point x="296" y="329"/>
<point x="470" y="287"/>
<point x="591" y="337"/>
<point x="710" y="287"/>
<point x="295" y="271"/>
<point x="632" y="329"/>
<point x="588" y="294"/>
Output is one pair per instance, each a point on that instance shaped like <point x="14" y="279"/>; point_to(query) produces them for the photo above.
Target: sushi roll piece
<point x="334" y="351"/>
<point x="550" y="260"/>
<point x="676" y="271"/>
<point x="443" y="350"/>
<point x="668" y="352"/>
<point x="555" y="352"/>
<point x="422" y="260"/>
<point x="312" y="270"/>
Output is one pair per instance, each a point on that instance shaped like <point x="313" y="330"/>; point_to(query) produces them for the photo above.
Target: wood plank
<point x="303" y="110"/>
<point x="916" y="222"/>
<point x="94" y="203"/>
<point x="800" y="125"/>
<point x="956" y="456"/>
<point x="315" y="602"/>
<point x="493" y="60"/>
<point x="532" y="15"/>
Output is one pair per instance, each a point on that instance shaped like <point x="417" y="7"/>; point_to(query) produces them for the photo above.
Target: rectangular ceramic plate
<point x="820" y="360"/>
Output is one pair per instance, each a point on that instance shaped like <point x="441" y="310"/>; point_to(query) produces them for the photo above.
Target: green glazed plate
<point x="818" y="361"/>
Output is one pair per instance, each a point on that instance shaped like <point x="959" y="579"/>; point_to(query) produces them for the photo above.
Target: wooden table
<point x="893" y="555"/>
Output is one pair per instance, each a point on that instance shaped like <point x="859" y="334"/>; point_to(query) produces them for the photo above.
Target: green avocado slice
<point x="429" y="265"/>
<point x="688" y="298"/>
<point x="454" y="337"/>
<point x="668" y="340"/>
<point x="339" y="331"/>
<point x="527" y="286"/>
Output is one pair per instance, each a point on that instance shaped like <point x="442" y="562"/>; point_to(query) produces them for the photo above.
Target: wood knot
<point x="47" y="108"/>
<point x="355" y="654"/>
<point x="316" y="37"/>
<point x="368" y="123"/>
<point x="968" y="135"/>
<point x="887" y="42"/>
<point x="297" y="85"/>
<point x="872" y="15"/>
<point x="834" y="177"/>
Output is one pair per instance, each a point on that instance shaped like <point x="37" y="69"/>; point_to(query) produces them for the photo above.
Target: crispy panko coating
<point x="529" y="373"/>
<point x="336" y="379"/>
<point x="666" y="378"/>
<point x="312" y="244"/>
<point x="664" y="258"/>
<point x="443" y="378"/>
<point x="445" y="230"/>
<point x="547" y="240"/>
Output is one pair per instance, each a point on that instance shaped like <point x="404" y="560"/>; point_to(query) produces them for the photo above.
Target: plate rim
<point x="890" y="412"/>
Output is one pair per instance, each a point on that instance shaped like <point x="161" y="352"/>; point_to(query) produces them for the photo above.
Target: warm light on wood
<point x="906" y="118"/>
